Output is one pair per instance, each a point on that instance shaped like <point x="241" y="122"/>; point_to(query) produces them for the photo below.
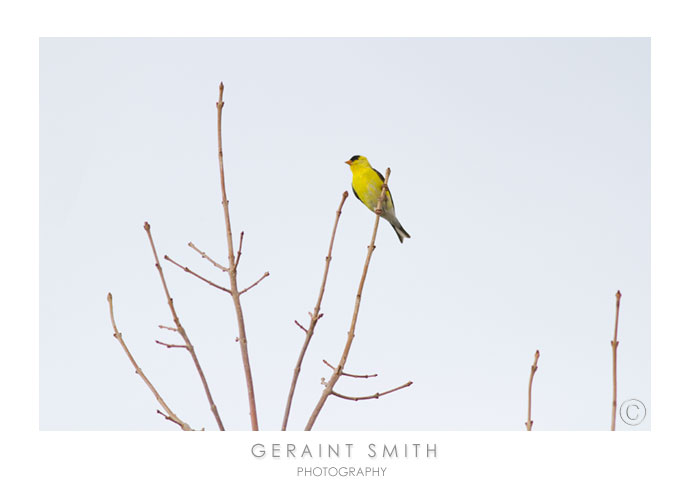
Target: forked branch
<point x="232" y="271"/>
<point x="181" y="331"/>
<point x="315" y="316"/>
<point x="337" y="372"/>
<point x="169" y="414"/>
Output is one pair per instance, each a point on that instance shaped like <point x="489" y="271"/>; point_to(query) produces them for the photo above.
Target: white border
<point x="176" y="461"/>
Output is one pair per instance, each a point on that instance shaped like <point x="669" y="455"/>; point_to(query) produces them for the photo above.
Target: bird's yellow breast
<point x="367" y="185"/>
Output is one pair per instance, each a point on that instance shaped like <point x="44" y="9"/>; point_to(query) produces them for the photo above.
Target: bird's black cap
<point x="354" y="157"/>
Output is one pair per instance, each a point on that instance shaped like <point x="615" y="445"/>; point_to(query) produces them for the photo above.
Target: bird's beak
<point x="348" y="162"/>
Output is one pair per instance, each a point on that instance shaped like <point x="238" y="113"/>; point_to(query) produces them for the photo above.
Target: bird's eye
<point x="355" y="157"/>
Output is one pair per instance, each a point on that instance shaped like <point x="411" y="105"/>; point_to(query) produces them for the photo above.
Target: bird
<point x="367" y="184"/>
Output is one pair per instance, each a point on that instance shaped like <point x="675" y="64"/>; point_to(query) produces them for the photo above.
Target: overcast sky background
<point x="520" y="167"/>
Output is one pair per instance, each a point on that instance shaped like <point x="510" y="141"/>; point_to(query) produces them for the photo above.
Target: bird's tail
<point x="401" y="233"/>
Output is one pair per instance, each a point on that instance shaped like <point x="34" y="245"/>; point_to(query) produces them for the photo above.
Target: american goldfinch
<point x="366" y="184"/>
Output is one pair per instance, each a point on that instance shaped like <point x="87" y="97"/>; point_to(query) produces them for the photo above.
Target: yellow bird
<point x="367" y="184"/>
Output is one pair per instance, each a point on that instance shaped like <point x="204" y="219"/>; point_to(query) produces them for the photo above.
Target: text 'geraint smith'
<point x="340" y="450"/>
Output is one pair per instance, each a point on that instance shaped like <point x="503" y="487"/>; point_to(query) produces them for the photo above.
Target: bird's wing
<point x="382" y="180"/>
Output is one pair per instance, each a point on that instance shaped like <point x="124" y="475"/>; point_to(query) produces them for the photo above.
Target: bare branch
<point x="372" y="397"/>
<point x="315" y="316"/>
<point x="239" y="252"/>
<point x="299" y="325"/>
<point x="254" y="284"/>
<point x="188" y="270"/>
<point x="232" y="272"/>
<point x="350" y="335"/>
<point x="173" y="420"/>
<point x="347" y="374"/>
<point x="170" y="414"/>
<point x="534" y="368"/>
<point x="204" y="255"/>
<point x="614" y="344"/>
<point x="181" y="330"/>
<point x="171" y="345"/>
<point x="163" y="327"/>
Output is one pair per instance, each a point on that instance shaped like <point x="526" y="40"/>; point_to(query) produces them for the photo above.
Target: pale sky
<point x="520" y="167"/>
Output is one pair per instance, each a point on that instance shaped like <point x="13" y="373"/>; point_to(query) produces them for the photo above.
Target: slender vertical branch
<point x="350" y="335"/>
<point x="534" y="368"/>
<point x="315" y="316"/>
<point x="182" y="332"/>
<point x="614" y="344"/>
<point x="233" y="271"/>
<point x="169" y="414"/>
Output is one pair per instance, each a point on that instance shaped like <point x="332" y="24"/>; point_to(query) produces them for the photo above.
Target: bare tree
<point x="233" y="290"/>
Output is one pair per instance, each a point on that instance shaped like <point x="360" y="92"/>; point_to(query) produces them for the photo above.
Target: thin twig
<point x="188" y="270"/>
<point x="372" y="397"/>
<point x="163" y="327"/>
<point x="366" y="376"/>
<point x="181" y="330"/>
<point x="614" y="344"/>
<point x="300" y="326"/>
<point x="205" y="256"/>
<point x="171" y="345"/>
<point x="169" y="415"/>
<point x="315" y="316"/>
<point x="350" y="335"/>
<point x="254" y="284"/>
<point x="243" y="345"/>
<point x="239" y="251"/>
<point x="534" y="368"/>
